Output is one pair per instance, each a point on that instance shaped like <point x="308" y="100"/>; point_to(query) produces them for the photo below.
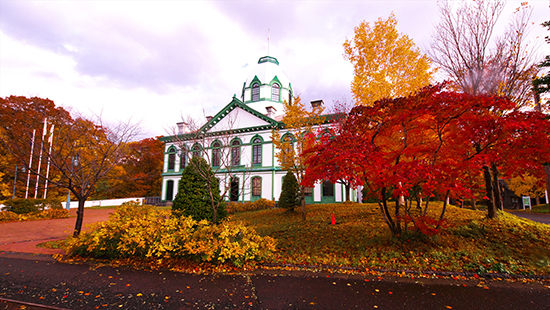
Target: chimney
<point x="182" y="127"/>
<point x="270" y="111"/>
<point x="317" y="103"/>
<point x="208" y="118"/>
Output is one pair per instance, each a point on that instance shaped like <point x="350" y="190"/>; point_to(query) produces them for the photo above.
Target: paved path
<point x="537" y="217"/>
<point x="24" y="236"/>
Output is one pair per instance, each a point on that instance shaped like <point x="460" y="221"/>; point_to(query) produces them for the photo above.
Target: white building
<point x="237" y="142"/>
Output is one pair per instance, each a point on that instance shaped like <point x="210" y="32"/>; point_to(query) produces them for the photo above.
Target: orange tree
<point x="82" y="153"/>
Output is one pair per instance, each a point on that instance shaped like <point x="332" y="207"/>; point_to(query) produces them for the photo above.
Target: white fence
<point x="102" y="203"/>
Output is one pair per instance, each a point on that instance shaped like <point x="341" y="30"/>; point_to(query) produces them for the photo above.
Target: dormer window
<point x="275" y="92"/>
<point x="255" y="92"/>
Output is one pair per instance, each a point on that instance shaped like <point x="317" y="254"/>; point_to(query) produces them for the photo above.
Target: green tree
<point x="199" y="193"/>
<point x="386" y="63"/>
<point x="290" y="193"/>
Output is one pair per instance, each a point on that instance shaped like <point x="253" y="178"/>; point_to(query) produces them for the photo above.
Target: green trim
<point x="252" y="196"/>
<point x="270" y="59"/>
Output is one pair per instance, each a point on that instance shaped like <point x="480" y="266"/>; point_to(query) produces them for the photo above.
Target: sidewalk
<point x="23" y="237"/>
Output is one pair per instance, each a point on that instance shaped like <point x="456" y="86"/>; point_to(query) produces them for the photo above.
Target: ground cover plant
<point x="469" y="242"/>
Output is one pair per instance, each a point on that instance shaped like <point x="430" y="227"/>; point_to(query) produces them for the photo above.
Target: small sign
<point x="526" y="201"/>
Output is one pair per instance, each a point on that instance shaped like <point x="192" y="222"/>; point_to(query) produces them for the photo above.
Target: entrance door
<point x="169" y="190"/>
<point x="234" y="193"/>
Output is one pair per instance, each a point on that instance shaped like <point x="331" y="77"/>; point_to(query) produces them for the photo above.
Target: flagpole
<point x="40" y="157"/>
<point x="30" y="164"/>
<point x="50" y="141"/>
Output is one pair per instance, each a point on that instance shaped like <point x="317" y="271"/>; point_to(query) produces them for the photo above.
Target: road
<point x="39" y="279"/>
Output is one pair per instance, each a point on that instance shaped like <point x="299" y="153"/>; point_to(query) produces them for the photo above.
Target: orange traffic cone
<point x="333" y="222"/>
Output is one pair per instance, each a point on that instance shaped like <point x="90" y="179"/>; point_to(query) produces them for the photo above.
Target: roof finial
<point x="267" y="41"/>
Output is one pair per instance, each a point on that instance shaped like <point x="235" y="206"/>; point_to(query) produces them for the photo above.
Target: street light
<point x="15" y="179"/>
<point x="74" y="163"/>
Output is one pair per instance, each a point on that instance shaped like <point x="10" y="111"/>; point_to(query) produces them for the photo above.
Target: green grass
<point x="471" y="242"/>
<point x="543" y="208"/>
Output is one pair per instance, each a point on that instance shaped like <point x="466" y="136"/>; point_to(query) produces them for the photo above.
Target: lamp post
<point x="15" y="179"/>
<point x="74" y="163"/>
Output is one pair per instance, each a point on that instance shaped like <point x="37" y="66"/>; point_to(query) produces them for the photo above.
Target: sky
<point x="158" y="62"/>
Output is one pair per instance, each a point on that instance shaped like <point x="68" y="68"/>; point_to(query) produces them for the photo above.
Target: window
<point x="275" y="92"/>
<point x="196" y="151"/>
<point x="255" y="92"/>
<point x="256" y="151"/>
<point x="216" y="154"/>
<point x="171" y="158"/>
<point x="236" y="153"/>
<point x="308" y="191"/>
<point x="328" y="189"/>
<point x="288" y="149"/>
<point x="257" y="186"/>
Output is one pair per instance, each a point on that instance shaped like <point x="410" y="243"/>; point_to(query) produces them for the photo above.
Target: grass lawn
<point x="361" y="238"/>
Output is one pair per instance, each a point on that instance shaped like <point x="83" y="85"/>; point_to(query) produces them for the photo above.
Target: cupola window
<point x="255" y="92"/>
<point x="275" y="92"/>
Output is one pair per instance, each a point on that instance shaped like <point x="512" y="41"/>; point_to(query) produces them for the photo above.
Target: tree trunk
<point x="547" y="171"/>
<point x="474" y="205"/>
<point x="79" y="217"/>
<point x="491" y="208"/>
<point x="496" y="187"/>
<point x="303" y="198"/>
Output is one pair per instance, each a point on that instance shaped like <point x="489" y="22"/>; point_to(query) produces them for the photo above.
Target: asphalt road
<point x="537" y="217"/>
<point x="40" y="280"/>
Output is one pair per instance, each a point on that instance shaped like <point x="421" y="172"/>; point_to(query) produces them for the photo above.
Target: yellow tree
<point x="527" y="185"/>
<point x="386" y="63"/>
<point x="291" y="137"/>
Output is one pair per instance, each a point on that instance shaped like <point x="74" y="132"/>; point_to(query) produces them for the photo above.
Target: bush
<point x="143" y="232"/>
<point x="193" y="198"/>
<point x="290" y="192"/>
<point x="260" y="204"/>
<point x="8" y="216"/>
<point x="24" y="206"/>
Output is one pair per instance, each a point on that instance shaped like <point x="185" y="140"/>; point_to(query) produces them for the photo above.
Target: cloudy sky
<point x="156" y="61"/>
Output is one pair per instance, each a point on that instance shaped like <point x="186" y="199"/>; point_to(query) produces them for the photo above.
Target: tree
<point x="83" y="153"/>
<point x="387" y="64"/>
<point x="197" y="193"/>
<point x="290" y="192"/>
<point x="477" y="63"/>
<point x="137" y="175"/>
<point x="527" y="185"/>
<point x="292" y="139"/>
<point x="432" y="143"/>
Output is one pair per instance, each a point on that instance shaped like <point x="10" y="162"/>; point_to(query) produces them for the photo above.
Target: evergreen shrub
<point x="193" y="198"/>
<point x="290" y="192"/>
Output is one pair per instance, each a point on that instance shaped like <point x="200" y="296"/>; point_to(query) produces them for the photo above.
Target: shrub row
<point x="24" y="206"/>
<point x="143" y="232"/>
<point x="8" y="216"/>
<point x="260" y="204"/>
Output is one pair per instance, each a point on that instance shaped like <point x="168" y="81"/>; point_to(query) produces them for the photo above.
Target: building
<point x="237" y="142"/>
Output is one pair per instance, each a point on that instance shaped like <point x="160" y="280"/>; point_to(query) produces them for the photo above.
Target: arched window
<point x="196" y="150"/>
<point x="257" y="151"/>
<point x="275" y="92"/>
<point x="287" y="149"/>
<point x="171" y="158"/>
<point x="236" y="153"/>
<point x="256" y="186"/>
<point x="216" y="156"/>
<point x="255" y="92"/>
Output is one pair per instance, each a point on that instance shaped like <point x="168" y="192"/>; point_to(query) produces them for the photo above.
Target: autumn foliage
<point x="430" y="144"/>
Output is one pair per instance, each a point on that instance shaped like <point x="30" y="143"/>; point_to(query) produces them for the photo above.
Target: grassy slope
<point x="362" y="239"/>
